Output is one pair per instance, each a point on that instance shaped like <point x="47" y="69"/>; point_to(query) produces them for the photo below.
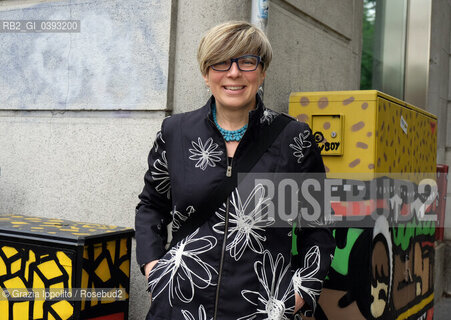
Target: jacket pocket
<point x="154" y="277"/>
<point x="159" y="306"/>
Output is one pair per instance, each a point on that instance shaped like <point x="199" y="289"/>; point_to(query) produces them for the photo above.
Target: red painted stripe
<point x="358" y="208"/>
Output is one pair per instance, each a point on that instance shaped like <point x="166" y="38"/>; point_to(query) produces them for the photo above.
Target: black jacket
<point x="236" y="265"/>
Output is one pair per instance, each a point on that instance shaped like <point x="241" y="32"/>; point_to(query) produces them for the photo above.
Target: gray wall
<point x="439" y="90"/>
<point x="78" y="112"/>
<point x="114" y="62"/>
<point x="317" y="46"/>
<point x="439" y="103"/>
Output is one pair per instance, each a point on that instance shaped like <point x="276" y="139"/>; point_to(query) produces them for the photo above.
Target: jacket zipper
<point x="226" y="227"/>
<point x="221" y="263"/>
<point x="229" y="171"/>
<point x="229" y="166"/>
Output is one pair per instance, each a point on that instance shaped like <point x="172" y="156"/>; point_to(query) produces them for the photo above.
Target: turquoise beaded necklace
<point x="229" y="135"/>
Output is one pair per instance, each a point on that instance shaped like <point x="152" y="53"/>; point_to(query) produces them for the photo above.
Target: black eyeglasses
<point x="245" y="63"/>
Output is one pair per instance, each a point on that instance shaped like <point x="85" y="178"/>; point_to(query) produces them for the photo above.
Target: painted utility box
<point x="383" y="268"/>
<point x="56" y="269"/>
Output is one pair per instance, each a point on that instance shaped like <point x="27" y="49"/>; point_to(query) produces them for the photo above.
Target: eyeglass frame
<point x="232" y="60"/>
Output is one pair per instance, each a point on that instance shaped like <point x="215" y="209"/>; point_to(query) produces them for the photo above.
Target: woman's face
<point x="235" y="89"/>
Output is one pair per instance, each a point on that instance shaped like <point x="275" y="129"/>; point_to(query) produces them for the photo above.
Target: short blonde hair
<point x="232" y="39"/>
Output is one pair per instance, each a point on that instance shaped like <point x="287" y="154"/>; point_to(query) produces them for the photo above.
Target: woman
<point x="233" y="264"/>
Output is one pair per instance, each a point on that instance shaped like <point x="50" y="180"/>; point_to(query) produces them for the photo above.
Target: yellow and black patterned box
<point x="56" y="269"/>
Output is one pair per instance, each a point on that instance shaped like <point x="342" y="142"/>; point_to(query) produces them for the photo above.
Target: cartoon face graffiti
<point x="380" y="277"/>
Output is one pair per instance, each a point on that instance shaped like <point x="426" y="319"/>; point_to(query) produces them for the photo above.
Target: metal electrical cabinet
<point x="384" y="271"/>
<point x="39" y="255"/>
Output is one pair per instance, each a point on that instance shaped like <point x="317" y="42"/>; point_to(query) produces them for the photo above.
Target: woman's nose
<point x="234" y="71"/>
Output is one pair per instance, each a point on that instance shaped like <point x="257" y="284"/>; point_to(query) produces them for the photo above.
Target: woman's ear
<point x="206" y="79"/>
<point x="262" y="78"/>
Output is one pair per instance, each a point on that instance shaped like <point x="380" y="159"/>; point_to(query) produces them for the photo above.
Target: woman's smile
<point x="234" y="89"/>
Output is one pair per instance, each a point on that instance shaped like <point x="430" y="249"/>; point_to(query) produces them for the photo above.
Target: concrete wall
<point x="439" y="91"/>
<point x="317" y="46"/>
<point x="439" y="103"/>
<point x="445" y="103"/>
<point x="78" y="112"/>
<point x="113" y="63"/>
<point x="440" y="254"/>
<point x="439" y="72"/>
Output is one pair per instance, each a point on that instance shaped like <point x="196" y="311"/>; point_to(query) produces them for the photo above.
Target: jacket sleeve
<point x="315" y="243"/>
<point x="153" y="210"/>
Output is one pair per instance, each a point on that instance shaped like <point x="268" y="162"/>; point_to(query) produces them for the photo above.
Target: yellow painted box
<point x="368" y="131"/>
<point x="383" y="270"/>
<point x="60" y="269"/>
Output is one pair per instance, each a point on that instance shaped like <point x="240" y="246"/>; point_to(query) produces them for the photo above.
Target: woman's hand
<point x="299" y="302"/>
<point x="148" y="267"/>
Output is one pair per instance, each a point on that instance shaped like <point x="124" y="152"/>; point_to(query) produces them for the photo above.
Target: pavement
<point x="442" y="310"/>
